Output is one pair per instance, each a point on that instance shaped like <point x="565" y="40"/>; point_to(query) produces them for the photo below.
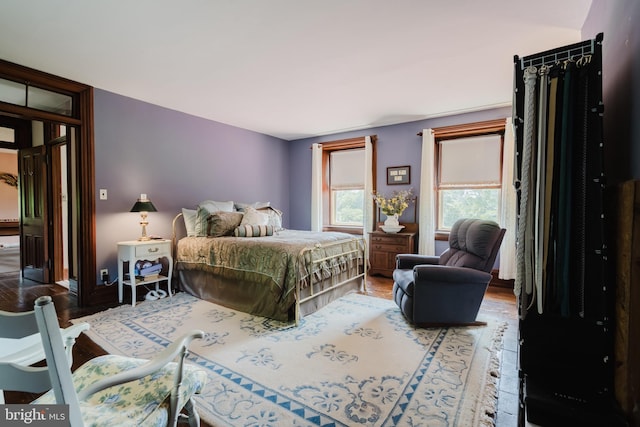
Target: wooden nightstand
<point x="383" y="248"/>
<point x="136" y="250"/>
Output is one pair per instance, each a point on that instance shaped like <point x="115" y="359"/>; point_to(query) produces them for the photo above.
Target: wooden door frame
<point x="56" y="169"/>
<point x="89" y="293"/>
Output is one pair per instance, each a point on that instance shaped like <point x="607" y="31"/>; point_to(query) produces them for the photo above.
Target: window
<point x="468" y="174"/>
<point x="26" y="95"/>
<point x="343" y="175"/>
<point x="346" y="181"/>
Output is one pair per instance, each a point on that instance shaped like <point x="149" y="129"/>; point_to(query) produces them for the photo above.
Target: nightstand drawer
<point x="151" y="250"/>
<point x="390" y="248"/>
<point x="387" y="239"/>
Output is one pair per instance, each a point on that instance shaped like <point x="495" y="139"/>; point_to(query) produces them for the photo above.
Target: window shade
<point x="347" y="169"/>
<point x="470" y="161"/>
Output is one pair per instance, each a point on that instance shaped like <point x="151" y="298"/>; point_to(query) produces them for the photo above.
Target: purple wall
<point x="618" y="20"/>
<point x="397" y="145"/>
<point x="178" y="160"/>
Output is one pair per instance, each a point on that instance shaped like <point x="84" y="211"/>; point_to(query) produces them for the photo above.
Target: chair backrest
<point x="57" y="374"/>
<point x="473" y="243"/>
<point x="17" y="325"/>
<point x="57" y="362"/>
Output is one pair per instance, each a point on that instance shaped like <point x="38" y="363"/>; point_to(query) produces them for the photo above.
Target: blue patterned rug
<point x="354" y="362"/>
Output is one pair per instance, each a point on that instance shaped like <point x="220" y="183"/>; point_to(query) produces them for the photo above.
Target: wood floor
<point x="19" y="295"/>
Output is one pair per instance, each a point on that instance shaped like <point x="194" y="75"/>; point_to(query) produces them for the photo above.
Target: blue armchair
<point x="448" y="289"/>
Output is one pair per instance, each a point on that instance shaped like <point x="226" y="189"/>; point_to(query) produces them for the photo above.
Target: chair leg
<point x="191" y="415"/>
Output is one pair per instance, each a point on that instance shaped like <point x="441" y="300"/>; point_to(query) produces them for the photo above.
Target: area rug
<point x="354" y="362"/>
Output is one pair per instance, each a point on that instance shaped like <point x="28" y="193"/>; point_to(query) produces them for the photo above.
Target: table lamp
<point x="143" y="205"/>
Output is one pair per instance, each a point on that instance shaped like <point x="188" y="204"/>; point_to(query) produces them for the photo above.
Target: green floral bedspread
<point x="287" y="257"/>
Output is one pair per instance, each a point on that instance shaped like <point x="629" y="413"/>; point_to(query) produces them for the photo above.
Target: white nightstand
<point x="136" y="250"/>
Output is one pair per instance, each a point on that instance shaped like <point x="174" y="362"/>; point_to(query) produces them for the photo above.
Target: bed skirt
<point x="256" y="298"/>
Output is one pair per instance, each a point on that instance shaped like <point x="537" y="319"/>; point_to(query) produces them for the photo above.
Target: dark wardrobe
<point x="565" y="300"/>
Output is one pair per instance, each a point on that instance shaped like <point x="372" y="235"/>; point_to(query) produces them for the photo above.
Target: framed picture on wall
<point x="398" y="175"/>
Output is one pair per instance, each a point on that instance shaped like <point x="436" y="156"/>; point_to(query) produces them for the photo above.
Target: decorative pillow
<point x="223" y="223"/>
<point x="253" y="217"/>
<point x="256" y="205"/>
<point x="275" y="217"/>
<point x="205" y="209"/>
<point x="249" y="230"/>
<point x="214" y="206"/>
<point x="189" y="216"/>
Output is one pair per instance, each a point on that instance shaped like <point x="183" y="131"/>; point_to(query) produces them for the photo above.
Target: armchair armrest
<point x="29" y="349"/>
<point x="447" y="274"/>
<point x="177" y="348"/>
<point x="408" y="261"/>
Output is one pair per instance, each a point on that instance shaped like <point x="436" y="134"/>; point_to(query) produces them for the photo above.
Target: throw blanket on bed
<point x="284" y="259"/>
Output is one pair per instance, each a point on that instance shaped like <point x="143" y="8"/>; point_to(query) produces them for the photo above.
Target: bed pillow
<point x="205" y="209"/>
<point x="256" y="205"/>
<point x="189" y="216"/>
<point x="249" y="230"/>
<point x="275" y="217"/>
<point x="223" y="223"/>
<point x="253" y="217"/>
<point x="215" y="206"/>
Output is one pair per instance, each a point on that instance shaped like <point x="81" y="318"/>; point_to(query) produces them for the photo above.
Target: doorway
<point x="9" y="208"/>
<point x="43" y="200"/>
<point x="73" y="106"/>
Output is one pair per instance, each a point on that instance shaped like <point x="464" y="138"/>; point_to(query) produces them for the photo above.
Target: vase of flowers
<point x="393" y="207"/>
<point x="392" y="221"/>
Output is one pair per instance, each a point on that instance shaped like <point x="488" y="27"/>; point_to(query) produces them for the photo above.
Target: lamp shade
<point x="143" y="206"/>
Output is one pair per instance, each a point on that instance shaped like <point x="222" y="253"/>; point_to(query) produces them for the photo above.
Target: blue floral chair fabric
<point x="140" y="402"/>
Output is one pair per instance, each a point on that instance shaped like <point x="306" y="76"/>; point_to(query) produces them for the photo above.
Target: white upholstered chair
<point x="109" y="390"/>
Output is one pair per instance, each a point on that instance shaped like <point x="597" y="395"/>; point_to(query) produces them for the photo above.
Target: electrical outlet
<point x="104" y="274"/>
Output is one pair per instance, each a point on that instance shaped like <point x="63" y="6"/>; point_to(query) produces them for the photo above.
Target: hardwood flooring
<point x="19" y="295"/>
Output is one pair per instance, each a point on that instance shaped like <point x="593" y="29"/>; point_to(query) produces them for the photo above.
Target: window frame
<point x="468" y="130"/>
<point x="327" y="202"/>
<point x="33" y="90"/>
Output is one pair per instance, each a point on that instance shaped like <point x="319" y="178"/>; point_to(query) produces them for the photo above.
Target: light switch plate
<point x="103" y="194"/>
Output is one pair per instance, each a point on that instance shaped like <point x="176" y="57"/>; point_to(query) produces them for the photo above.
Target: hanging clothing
<point x="523" y="282"/>
<point x="548" y="251"/>
<point x="540" y="180"/>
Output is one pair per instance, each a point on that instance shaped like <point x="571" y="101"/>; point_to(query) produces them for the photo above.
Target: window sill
<point x="442" y="235"/>
<point x="350" y="230"/>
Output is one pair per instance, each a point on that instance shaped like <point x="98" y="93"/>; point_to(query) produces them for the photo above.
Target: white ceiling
<point x="292" y="68"/>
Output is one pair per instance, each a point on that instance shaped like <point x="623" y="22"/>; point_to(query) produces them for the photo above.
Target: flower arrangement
<point x="396" y="204"/>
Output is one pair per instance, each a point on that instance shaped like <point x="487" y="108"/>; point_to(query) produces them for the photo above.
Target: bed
<point x="272" y="272"/>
